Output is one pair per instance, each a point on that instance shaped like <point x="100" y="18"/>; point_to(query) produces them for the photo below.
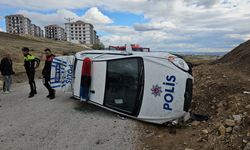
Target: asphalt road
<point x="63" y="123"/>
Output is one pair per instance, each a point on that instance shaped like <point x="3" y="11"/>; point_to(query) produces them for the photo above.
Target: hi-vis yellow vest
<point x="29" y="57"/>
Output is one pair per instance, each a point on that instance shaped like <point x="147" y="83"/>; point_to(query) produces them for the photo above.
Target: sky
<point x="161" y="25"/>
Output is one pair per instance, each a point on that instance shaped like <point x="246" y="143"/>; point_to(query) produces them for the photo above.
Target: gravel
<point x="62" y="123"/>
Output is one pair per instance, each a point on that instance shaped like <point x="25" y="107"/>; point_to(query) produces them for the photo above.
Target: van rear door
<point x="61" y="76"/>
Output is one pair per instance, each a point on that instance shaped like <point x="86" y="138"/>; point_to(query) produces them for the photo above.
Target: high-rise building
<point x="20" y="25"/>
<point x="80" y="32"/>
<point x="36" y="31"/>
<point x="96" y="38"/>
<point x="54" y="32"/>
<point x="39" y="32"/>
<point x="17" y="24"/>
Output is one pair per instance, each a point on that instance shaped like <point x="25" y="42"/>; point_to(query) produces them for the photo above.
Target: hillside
<point x="13" y="44"/>
<point x="239" y="57"/>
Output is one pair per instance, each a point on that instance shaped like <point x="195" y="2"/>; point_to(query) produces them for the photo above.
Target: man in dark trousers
<point x="46" y="73"/>
<point x="30" y="64"/>
<point x="7" y="71"/>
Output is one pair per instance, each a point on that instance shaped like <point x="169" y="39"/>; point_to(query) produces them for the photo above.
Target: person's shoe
<point x="6" y="92"/>
<point x="31" y="95"/>
<point x="35" y="92"/>
<point x="52" y="97"/>
<point x="48" y="96"/>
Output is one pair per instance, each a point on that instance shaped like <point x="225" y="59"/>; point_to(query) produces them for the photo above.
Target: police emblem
<point x="156" y="90"/>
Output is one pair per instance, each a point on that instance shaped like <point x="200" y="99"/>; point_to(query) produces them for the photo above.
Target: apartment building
<point x="54" y="32"/>
<point x="80" y="32"/>
<point x="96" y="39"/>
<point x="36" y="31"/>
<point x="18" y="24"/>
<point x="39" y="32"/>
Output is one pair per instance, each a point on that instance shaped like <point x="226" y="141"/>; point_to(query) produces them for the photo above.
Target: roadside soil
<point x="220" y="91"/>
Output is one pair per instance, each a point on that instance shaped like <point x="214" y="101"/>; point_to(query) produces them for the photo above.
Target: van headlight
<point x="178" y="62"/>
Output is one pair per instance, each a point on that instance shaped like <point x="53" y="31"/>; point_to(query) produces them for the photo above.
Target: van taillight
<point x="85" y="79"/>
<point x="86" y="67"/>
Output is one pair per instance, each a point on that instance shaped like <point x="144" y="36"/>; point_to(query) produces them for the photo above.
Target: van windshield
<point x="124" y="85"/>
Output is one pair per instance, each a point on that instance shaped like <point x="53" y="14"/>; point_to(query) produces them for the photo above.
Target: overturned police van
<point x="155" y="87"/>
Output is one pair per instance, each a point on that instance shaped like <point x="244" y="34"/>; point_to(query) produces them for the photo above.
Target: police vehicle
<point x="155" y="87"/>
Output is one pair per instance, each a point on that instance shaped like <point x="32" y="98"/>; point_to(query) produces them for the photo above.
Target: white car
<point x="154" y="87"/>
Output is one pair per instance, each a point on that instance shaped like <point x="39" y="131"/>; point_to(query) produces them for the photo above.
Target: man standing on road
<point x="6" y="70"/>
<point x="46" y="73"/>
<point x="30" y="64"/>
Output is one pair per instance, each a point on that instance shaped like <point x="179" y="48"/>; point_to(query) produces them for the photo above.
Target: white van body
<point x="154" y="87"/>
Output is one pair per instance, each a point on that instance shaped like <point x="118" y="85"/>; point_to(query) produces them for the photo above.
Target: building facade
<point x="80" y="32"/>
<point x="36" y="31"/>
<point x="18" y="24"/>
<point x="54" y="32"/>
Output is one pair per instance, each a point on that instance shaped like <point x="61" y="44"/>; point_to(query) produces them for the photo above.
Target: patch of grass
<point x="12" y="44"/>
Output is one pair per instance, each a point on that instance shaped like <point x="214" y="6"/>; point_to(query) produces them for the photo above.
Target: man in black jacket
<point x="30" y="64"/>
<point x="46" y="73"/>
<point x="6" y="70"/>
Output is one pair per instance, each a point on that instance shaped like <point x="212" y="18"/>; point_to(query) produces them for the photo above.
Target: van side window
<point x="123" y="85"/>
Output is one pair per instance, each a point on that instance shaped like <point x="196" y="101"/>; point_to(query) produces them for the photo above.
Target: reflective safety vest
<point x="30" y="61"/>
<point x="29" y="57"/>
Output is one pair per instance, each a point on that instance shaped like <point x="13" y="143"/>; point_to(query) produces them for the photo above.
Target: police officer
<point x="30" y="64"/>
<point x="46" y="73"/>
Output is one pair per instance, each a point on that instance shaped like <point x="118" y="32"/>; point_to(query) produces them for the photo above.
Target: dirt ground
<point x="221" y="92"/>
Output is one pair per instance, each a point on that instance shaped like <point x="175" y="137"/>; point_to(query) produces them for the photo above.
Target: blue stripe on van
<point x="61" y="61"/>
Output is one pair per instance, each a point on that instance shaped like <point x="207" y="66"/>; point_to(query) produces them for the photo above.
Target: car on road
<point x="155" y="87"/>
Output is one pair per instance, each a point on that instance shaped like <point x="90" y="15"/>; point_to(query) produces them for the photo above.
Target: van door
<point x="124" y="85"/>
<point x="97" y="87"/>
<point x="62" y="73"/>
